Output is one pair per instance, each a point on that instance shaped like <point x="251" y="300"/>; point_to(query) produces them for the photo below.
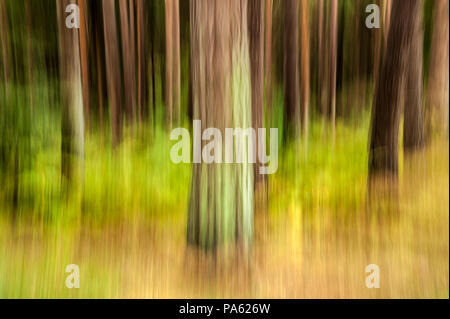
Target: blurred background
<point x="363" y="164"/>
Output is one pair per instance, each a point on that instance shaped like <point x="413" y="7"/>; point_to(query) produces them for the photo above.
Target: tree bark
<point x="383" y="149"/>
<point x="113" y="69"/>
<point x="221" y="200"/>
<point x="291" y="72"/>
<point x="268" y="56"/>
<point x="437" y="96"/>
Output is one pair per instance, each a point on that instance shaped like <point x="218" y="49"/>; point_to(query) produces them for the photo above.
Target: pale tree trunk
<point x="221" y="201"/>
<point x="72" y="126"/>
<point x="268" y="56"/>
<point x="383" y="149"/>
<point x="304" y="62"/>
<point x="413" y="110"/>
<point x="84" y="58"/>
<point x="437" y="96"/>
<point x="256" y="38"/>
<point x="333" y="62"/>
<point x="113" y="69"/>
<point x="126" y="22"/>
<point x="291" y="72"/>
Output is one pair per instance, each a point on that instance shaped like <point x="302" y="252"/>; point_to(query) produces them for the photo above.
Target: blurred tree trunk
<point x="142" y="61"/>
<point x="268" y="57"/>
<point x="383" y="149"/>
<point x="84" y="58"/>
<point x="256" y="38"/>
<point x="321" y="60"/>
<point x="29" y="52"/>
<point x="72" y="126"/>
<point x="113" y="69"/>
<point x="291" y="72"/>
<point x="333" y="62"/>
<point x="413" y="110"/>
<point x="437" y="97"/>
<point x="221" y="200"/>
<point x="172" y="49"/>
<point x="304" y="74"/>
<point x="4" y="34"/>
<point x="126" y="23"/>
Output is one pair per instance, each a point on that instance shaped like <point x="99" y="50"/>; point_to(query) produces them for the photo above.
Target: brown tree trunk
<point x="291" y="72"/>
<point x="383" y="149"/>
<point x="221" y="202"/>
<point x="29" y="52"/>
<point x="126" y="11"/>
<point x="113" y="69"/>
<point x="437" y="96"/>
<point x="304" y="62"/>
<point x="142" y="61"/>
<point x="268" y="56"/>
<point x="84" y="58"/>
<point x="176" y="77"/>
<point x="256" y="38"/>
<point x="169" y="59"/>
<point x="413" y="110"/>
<point x="333" y="62"/>
<point x="72" y="126"/>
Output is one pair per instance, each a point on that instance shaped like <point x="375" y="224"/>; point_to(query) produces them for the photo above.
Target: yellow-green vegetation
<point x="128" y="233"/>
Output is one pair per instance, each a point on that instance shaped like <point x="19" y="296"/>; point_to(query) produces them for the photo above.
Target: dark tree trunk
<point x="256" y="38"/>
<point x="413" y="110"/>
<point x="291" y="72"/>
<point x="113" y="69"/>
<point x="383" y="149"/>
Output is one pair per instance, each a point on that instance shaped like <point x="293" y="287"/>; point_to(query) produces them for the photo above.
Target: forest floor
<point x="314" y="240"/>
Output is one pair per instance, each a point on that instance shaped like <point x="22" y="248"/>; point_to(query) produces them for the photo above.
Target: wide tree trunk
<point x="383" y="149"/>
<point x="72" y="125"/>
<point x="413" y="110"/>
<point x="221" y="200"/>
<point x="113" y="69"/>
<point x="437" y="97"/>
<point x="256" y="38"/>
<point x="291" y="72"/>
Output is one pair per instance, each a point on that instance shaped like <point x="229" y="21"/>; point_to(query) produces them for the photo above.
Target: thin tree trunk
<point x="113" y="69"/>
<point x="291" y="72"/>
<point x="221" y="202"/>
<point x="128" y="56"/>
<point x="413" y="110"/>
<point x="169" y="62"/>
<point x="142" y="64"/>
<point x="4" y="34"/>
<point x="304" y="62"/>
<point x="84" y="58"/>
<point x="72" y="125"/>
<point x="256" y="38"/>
<point x="176" y="77"/>
<point x="268" y="56"/>
<point x="29" y="52"/>
<point x="383" y="149"/>
<point x="333" y="62"/>
<point x="437" y="96"/>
